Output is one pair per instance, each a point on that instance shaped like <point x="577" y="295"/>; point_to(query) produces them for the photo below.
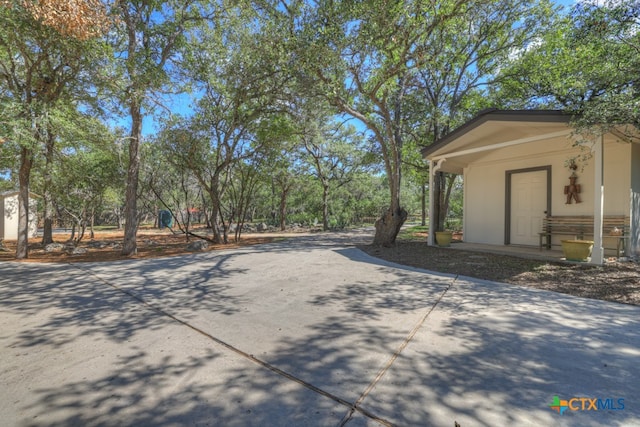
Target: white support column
<point x="597" y="255"/>
<point x="464" y="201"/>
<point x="431" y="235"/>
<point x="433" y="168"/>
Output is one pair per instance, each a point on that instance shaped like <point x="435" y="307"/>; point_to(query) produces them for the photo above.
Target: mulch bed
<point x="150" y="243"/>
<point x="618" y="282"/>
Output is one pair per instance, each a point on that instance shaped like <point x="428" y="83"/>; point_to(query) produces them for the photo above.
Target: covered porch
<point x="515" y="166"/>
<point x="525" y="252"/>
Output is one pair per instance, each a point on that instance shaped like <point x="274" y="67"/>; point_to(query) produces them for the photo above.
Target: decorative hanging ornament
<point x="572" y="190"/>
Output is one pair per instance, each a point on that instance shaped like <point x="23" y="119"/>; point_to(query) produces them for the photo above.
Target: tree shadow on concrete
<point x="174" y="391"/>
<point x="133" y="392"/>
<point x="344" y="352"/>
<point x="489" y="354"/>
<point x="340" y="353"/>
<point x="58" y="303"/>
<point x="410" y="290"/>
<point x="217" y="388"/>
<point x="494" y="355"/>
<point x="173" y="383"/>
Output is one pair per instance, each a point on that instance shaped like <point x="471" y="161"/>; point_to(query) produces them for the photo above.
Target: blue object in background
<point x="165" y="219"/>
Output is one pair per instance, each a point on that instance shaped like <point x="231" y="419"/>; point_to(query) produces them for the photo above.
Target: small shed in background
<point x="9" y="215"/>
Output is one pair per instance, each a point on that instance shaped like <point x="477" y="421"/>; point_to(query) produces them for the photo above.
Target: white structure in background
<point x="9" y="216"/>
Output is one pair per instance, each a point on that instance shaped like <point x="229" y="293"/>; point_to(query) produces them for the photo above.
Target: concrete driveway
<point x="309" y="331"/>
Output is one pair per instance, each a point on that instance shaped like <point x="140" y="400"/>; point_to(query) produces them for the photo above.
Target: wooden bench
<point x="615" y="226"/>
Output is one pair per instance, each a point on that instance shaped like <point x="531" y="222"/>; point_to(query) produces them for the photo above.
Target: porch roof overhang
<point x="492" y="130"/>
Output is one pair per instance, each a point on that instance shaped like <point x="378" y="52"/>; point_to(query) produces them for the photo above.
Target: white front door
<point x="528" y="206"/>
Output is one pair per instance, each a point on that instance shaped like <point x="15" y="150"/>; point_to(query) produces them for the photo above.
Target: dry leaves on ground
<point x="106" y="246"/>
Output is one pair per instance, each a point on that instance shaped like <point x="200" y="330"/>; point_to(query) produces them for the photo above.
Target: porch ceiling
<point x="493" y="130"/>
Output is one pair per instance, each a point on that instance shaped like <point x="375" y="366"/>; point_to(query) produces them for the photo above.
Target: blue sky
<point x="182" y="104"/>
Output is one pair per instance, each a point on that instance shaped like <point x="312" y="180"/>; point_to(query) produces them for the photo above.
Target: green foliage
<point x="6" y="185"/>
<point x="415" y="233"/>
<point x="587" y="66"/>
<point x="86" y="176"/>
<point x="40" y="68"/>
<point x="409" y="71"/>
<point x="268" y="78"/>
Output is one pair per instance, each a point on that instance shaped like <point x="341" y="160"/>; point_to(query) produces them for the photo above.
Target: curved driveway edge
<point x="308" y="331"/>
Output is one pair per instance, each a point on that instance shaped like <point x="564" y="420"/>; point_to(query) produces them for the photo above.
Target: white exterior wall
<point x="634" y="194"/>
<point x="9" y="217"/>
<point x="485" y="186"/>
<point x="484" y="205"/>
<point x="617" y="178"/>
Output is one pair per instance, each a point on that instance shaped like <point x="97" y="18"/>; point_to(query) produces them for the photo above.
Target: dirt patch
<point x="619" y="282"/>
<point x="106" y="246"/>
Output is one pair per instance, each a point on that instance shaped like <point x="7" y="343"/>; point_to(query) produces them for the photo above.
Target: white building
<point x="514" y="165"/>
<point x="9" y="216"/>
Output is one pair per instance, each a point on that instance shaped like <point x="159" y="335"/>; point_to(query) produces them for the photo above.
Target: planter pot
<point x="443" y="238"/>
<point x="577" y="250"/>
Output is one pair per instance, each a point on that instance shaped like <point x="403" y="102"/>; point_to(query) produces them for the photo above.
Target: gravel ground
<point x="618" y="282"/>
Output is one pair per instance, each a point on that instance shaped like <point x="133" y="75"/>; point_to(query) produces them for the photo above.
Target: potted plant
<point x="443" y="238"/>
<point x="577" y="250"/>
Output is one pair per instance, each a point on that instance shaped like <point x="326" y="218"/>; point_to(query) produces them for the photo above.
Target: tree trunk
<point x="204" y="212"/>
<point x="207" y="219"/>
<point x="450" y="181"/>
<point x="325" y="206"/>
<point x="213" y="218"/>
<point x="391" y="142"/>
<point x="73" y="231"/>
<point x="82" y="227"/>
<point x="443" y="184"/>
<point x="187" y="225"/>
<point x="129" y="246"/>
<point x="218" y="236"/>
<point x="438" y="198"/>
<point x="225" y="229"/>
<point x="24" y="174"/>
<point x="92" y="234"/>
<point x="118" y="213"/>
<point x="283" y="207"/>
<point x="388" y="227"/>
<point x="47" y="233"/>
<point x="424" y="205"/>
